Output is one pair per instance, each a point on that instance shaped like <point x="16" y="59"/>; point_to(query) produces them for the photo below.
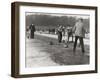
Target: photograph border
<point x="15" y="38"/>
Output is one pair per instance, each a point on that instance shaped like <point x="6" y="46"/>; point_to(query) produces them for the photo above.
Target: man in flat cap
<point x="79" y="31"/>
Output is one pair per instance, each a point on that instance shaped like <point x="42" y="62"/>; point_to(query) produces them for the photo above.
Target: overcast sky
<point x="71" y="15"/>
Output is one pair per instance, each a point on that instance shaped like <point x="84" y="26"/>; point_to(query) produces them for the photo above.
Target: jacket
<point x="79" y="29"/>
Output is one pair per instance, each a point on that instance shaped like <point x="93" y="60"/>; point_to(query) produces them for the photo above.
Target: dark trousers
<point x="59" y="37"/>
<point x="32" y="35"/>
<point x="81" y="43"/>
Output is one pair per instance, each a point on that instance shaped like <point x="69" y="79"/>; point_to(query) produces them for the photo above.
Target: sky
<point x="84" y="16"/>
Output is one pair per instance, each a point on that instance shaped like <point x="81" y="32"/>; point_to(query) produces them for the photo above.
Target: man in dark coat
<point x="59" y="32"/>
<point x="32" y="30"/>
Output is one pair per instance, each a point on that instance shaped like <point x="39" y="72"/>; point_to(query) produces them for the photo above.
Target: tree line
<point x="49" y="21"/>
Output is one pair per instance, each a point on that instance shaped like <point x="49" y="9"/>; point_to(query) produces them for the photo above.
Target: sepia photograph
<point x="57" y="39"/>
<point x="52" y="39"/>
